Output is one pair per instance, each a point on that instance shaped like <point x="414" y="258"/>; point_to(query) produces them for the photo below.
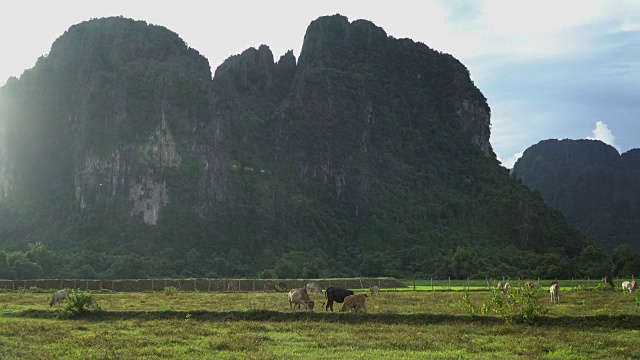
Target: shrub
<point x="79" y="303"/>
<point x="170" y="291"/>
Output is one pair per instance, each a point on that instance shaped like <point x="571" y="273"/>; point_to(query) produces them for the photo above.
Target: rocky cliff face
<point x="120" y="139"/>
<point x="591" y="183"/>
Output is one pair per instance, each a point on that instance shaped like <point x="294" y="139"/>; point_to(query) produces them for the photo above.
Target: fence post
<point x="449" y="283"/>
<point x="571" y="283"/>
<point x="414" y="284"/>
<point x="587" y="281"/>
<point x="432" y="283"/>
<point x="361" y="287"/>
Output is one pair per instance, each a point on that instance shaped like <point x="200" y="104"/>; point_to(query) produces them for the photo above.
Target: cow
<point x="528" y="284"/>
<point x="629" y="285"/>
<point x="270" y="287"/>
<point x="58" y="296"/>
<point x="555" y="292"/>
<point x="314" y="287"/>
<point x="489" y="283"/>
<point x="506" y="288"/>
<point x="500" y="286"/>
<point x="607" y="280"/>
<point x="282" y="286"/>
<point x="336" y="294"/>
<point x="375" y="290"/>
<point x="232" y="286"/>
<point x="353" y="302"/>
<point x="300" y="296"/>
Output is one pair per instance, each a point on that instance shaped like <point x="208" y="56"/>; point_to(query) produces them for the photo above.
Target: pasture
<point x="593" y="324"/>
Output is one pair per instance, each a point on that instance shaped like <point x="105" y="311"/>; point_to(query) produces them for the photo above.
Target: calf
<point x="282" y="286"/>
<point x="232" y="286"/>
<point x="300" y="296"/>
<point x="555" y="293"/>
<point x="58" y="296"/>
<point x="375" y="290"/>
<point x="335" y="294"/>
<point x="354" y="301"/>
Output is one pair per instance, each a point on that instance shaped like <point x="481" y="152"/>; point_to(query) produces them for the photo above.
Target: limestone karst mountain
<point x="368" y="155"/>
<point x="597" y="188"/>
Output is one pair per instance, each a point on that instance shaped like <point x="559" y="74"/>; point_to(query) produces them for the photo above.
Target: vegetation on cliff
<point x="368" y="156"/>
<point x="596" y="188"/>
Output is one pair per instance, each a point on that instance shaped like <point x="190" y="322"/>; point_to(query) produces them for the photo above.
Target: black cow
<point x="282" y="286"/>
<point x="335" y="294"/>
<point x="607" y="280"/>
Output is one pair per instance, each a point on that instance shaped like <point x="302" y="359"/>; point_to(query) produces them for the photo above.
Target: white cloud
<point x="510" y="160"/>
<point x="602" y="133"/>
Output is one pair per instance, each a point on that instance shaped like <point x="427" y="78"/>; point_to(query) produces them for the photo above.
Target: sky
<point x="563" y="69"/>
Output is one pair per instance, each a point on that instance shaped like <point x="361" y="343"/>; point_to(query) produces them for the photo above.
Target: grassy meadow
<point x="587" y="324"/>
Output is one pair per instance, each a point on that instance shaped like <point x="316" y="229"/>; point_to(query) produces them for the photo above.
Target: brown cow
<point x="270" y="287"/>
<point x="528" y="284"/>
<point x="300" y="296"/>
<point x="354" y="301"/>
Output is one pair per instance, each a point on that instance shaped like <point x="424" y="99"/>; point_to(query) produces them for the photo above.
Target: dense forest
<point x="121" y="156"/>
<point x="596" y="188"/>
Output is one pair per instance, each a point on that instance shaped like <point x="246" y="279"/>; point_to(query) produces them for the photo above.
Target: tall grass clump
<point x="520" y="304"/>
<point x="80" y="303"/>
<point x="170" y="291"/>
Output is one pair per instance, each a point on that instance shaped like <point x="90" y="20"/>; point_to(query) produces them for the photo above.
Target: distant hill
<point x="121" y="156"/>
<point x="591" y="183"/>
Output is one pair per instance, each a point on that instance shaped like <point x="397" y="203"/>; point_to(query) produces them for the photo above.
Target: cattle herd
<point x="300" y="296"/>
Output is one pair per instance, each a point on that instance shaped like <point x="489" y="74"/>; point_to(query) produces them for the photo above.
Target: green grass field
<point x="593" y="324"/>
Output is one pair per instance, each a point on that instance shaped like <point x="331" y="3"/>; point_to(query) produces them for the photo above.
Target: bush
<point x="80" y="303"/>
<point x="170" y="291"/>
<point x="521" y="304"/>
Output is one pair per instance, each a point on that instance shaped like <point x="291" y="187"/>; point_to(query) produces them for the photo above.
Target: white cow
<point x="300" y="296"/>
<point x="375" y="290"/>
<point x="58" y="296"/>
<point x="314" y="287"/>
<point x="555" y="293"/>
<point x="629" y="286"/>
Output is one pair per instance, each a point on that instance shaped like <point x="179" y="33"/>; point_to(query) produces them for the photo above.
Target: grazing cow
<point x="631" y="286"/>
<point x="500" y="286"/>
<point x="506" y="288"/>
<point x="528" y="285"/>
<point x="375" y="290"/>
<point x="314" y="287"/>
<point x="555" y="292"/>
<point x="300" y="296"/>
<point x="607" y="280"/>
<point x="34" y="289"/>
<point x="336" y="294"/>
<point x="489" y="283"/>
<point x="282" y="286"/>
<point x="58" y="296"/>
<point x="354" y="301"/>
<point x="270" y="287"/>
<point x="232" y="286"/>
